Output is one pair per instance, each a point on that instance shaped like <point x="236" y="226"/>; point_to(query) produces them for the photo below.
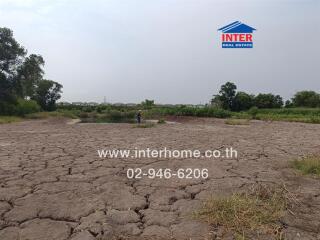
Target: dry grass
<point x="233" y="121"/>
<point x="259" y="209"/>
<point x="9" y="119"/>
<point x="309" y="165"/>
<point x="44" y="115"/>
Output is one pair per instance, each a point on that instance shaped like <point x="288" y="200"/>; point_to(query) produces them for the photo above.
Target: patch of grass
<point x="259" y="209"/>
<point x="38" y="115"/>
<point x="44" y="115"/>
<point x="232" y="121"/>
<point x="309" y="165"/>
<point x="68" y="114"/>
<point x="305" y="115"/>
<point x="145" y="125"/>
<point x="161" y="121"/>
<point x="9" y="119"/>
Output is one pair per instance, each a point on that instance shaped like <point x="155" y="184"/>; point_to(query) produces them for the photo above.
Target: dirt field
<point x="54" y="185"/>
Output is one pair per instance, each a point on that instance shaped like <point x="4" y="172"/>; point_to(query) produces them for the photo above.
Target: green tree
<point x="148" y="104"/>
<point x="47" y="93"/>
<point x="29" y="74"/>
<point x="216" y="102"/>
<point x="306" y="99"/>
<point x="226" y="95"/>
<point x="11" y="53"/>
<point x="21" y="78"/>
<point x="11" y="56"/>
<point x="242" y="101"/>
<point x="288" y="104"/>
<point x="268" y="101"/>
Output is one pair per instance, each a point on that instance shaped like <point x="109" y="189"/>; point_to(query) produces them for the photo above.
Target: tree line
<point x="22" y="86"/>
<point x="229" y="99"/>
<point x="24" y="90"/>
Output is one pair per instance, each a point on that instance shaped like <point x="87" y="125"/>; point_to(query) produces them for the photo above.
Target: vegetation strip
<point x="309" y="165"/>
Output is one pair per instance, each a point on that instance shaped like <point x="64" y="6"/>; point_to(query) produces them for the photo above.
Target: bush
<point x="253" y="112"/>
<point x="161" y="121"/>
<point x="7" y="108"/>
<point x="20" y="108"/>
<point x="26" y="107"/>
<point x="306" y="99"/>
<point x="118" y="116"/>
<point x="101" y="108"/>
<point x="147" y="104"/>
<point x="115" y="116"/>
<point x="84" y="115"/>
<point x="268" y="101"/>
<point x="218" y="113"/>
<point x="242" y="101"/>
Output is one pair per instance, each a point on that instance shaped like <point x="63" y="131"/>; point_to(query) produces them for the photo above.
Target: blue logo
<point x="237" y="35"/>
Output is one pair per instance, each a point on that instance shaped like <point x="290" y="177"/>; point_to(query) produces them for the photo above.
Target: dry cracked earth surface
<point x="53" y="185"/>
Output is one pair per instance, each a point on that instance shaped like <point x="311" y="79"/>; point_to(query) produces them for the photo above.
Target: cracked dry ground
<point x="54" y="186"/>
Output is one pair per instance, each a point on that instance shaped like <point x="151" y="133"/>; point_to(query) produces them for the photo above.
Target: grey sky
<point x="168" y="50"/>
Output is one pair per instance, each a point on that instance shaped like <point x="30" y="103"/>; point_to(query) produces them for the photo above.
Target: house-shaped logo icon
<point x="237" y="35"/>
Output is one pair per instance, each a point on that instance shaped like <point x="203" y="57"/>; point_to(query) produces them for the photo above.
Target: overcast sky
<point x="168" y="50"/>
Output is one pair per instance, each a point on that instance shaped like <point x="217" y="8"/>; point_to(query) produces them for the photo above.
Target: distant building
<point x="63" y="103"/>
<point x="77" y="103"/>
<point x="131" y="104"/>
<point x="92" y="104"/>
<point x="199" y="106"/>
<point x="118" y="104"/>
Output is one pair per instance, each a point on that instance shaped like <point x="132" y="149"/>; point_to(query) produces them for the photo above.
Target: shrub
<point x="314" y="119"/>
<point x="306" y="99"/>
<point x="20" y="108"/>
<point x="84" y="115"/>
<point x="7" y="108"/>
<point x="268" y="101"/>
<point x="253" y="112"/>
<point x="118" y="116"/>
<point x="242" y="101"/>
<point x="161" y="121"/>
<point x="26" y="107"/>
<point x="115" y="116"/>
<point x="147" y="104"/>
<point x="218" y="113"/>
<point x="101" y="108"/>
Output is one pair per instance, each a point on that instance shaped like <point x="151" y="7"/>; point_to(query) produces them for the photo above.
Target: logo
<point x="237" y="35"/>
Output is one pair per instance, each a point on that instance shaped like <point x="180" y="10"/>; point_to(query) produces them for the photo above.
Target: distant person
<point x="139" y="116"/>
